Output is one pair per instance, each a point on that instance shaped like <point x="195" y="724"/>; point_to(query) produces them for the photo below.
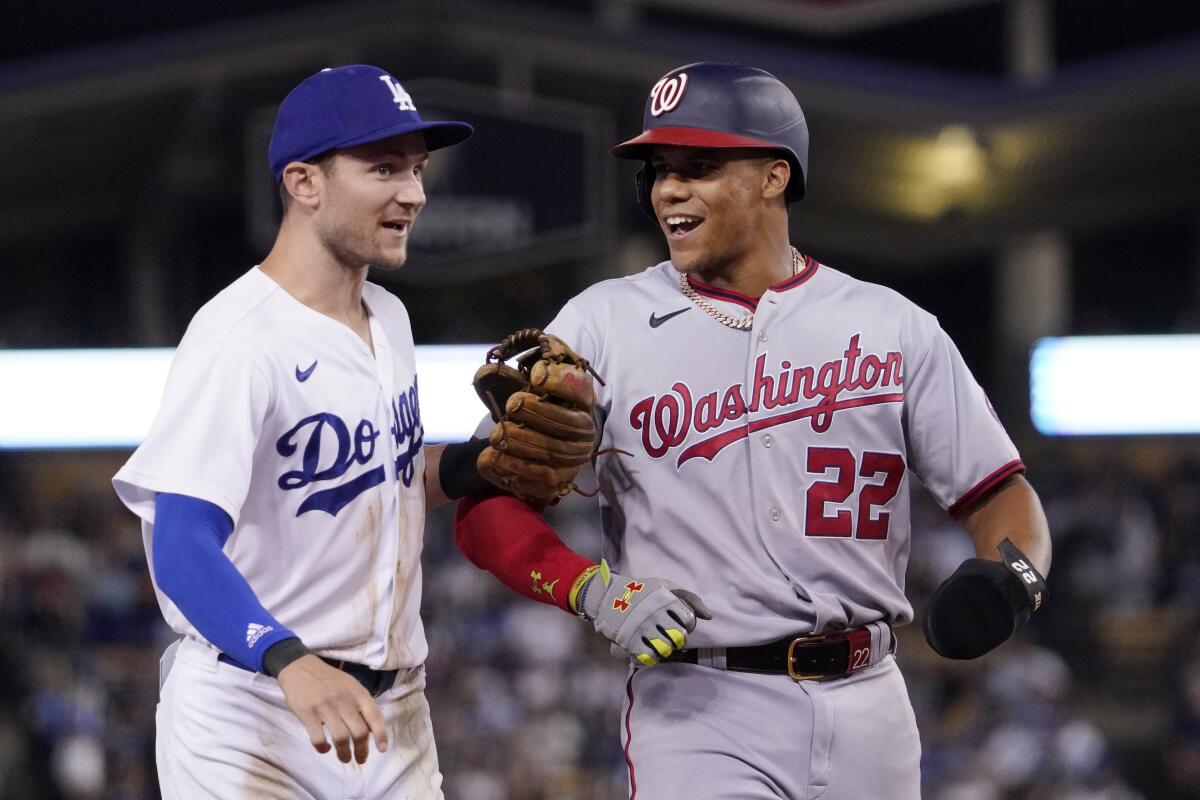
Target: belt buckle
<point x="791" y="668"/>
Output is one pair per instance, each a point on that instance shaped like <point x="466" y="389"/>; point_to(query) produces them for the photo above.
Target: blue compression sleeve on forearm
<point x="191" y="568"/>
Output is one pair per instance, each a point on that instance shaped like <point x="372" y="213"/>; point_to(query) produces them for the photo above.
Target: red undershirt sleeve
<point x="509" y="539"/>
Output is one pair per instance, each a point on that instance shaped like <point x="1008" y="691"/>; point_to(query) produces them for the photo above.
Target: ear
<point x="775" y="178"/>
<point x="304" y="183"/>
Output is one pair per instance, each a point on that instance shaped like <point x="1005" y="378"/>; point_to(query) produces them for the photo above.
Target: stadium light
<point x="1115" y="385"/>
<point x="107" y="398"/>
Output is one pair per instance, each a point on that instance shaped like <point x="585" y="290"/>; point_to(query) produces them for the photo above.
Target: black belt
<point x="374" y="681"/>
<point x="814" y="657"/>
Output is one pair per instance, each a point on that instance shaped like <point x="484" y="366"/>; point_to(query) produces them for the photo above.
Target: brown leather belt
<point x="373" y="680"/>
<point x="813" y="657"/>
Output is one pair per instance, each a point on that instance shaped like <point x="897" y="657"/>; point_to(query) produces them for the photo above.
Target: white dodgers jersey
<point x="283" y="418"/>
<point x="771" y="468"/>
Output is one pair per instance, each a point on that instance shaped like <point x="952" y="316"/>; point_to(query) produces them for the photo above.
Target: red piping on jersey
<point x="744" y="300"/>
<point x="979" y="490"/>
<point x="751" y="303"/>
<point x="708" y="448"/>
<point x="629" y="738"/>
<point x="810" y="269"/>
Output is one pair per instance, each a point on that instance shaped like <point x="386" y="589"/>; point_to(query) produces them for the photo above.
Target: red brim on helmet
<point x="638" y="147"/>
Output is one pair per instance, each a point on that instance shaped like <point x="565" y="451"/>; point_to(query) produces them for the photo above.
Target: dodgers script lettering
<point x="320" y="463"/>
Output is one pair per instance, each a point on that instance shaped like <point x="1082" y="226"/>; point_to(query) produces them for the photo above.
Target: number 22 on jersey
<point x="825" y="501"/>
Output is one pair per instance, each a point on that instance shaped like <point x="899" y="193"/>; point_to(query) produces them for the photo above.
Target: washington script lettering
<point x="666" y="420"/>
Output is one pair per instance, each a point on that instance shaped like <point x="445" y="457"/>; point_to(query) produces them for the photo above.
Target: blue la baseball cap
<point x="346" y="106"/>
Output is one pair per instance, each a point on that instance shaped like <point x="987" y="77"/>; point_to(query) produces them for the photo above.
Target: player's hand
<point x="647" y="619"/>
<point x="322" y="698"/>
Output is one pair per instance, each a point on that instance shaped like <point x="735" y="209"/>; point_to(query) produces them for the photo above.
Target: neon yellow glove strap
<point x="573" y="597"/>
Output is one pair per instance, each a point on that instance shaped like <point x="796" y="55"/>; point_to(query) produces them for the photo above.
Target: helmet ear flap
<point x="644" y="181"/>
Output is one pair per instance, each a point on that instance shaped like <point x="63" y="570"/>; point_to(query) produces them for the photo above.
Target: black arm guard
<point x="458" y="472"/>
<point x="983" y="603"/>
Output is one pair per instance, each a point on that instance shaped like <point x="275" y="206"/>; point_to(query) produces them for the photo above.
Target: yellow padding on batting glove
<point x="645" y="619"/>
<point x="662" y="648"/>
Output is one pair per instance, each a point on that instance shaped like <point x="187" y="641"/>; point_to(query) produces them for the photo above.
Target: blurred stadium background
<point x="1021" y="168"/>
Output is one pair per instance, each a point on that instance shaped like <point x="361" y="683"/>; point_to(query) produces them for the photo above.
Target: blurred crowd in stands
<point x="1098" y="700"/>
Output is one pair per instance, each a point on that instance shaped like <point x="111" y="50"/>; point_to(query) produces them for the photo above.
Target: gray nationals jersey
<point x="771" y="467"/>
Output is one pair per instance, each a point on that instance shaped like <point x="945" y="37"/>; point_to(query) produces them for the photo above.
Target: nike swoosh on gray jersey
<point x="656" y="321"/>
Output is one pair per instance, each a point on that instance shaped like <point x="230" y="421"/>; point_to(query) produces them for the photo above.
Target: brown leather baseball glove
<point x="544" y="431"/>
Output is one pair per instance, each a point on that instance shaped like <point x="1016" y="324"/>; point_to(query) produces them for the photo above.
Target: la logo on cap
<point x="401" y="98"/>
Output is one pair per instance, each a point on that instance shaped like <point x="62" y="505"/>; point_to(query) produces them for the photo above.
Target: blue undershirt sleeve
<point x="191" y="568"/>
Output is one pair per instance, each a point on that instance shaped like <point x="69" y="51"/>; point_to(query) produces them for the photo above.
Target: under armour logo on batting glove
<point x="646" y="619"/>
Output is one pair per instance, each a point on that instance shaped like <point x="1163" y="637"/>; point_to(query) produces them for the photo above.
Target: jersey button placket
<point x="764" y="463"/>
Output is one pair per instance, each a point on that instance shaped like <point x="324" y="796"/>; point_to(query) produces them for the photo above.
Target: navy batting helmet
<point x="721" y="105"/>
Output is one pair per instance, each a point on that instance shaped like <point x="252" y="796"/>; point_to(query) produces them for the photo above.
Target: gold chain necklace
<point x="737" y="323"/>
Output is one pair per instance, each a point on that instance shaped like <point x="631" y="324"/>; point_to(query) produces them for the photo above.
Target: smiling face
<point x="712" y="204"/>
<point x="370" y="196"/>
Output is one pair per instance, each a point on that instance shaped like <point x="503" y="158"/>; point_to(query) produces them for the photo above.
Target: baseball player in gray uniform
<point x="776" y="411"/>
<point x="283" y="485"/>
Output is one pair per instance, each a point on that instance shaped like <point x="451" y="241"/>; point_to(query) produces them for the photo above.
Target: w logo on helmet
<point x="667" y="93"/>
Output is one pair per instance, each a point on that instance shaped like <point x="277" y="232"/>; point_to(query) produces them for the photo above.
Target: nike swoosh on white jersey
<point x="302" y="376"/>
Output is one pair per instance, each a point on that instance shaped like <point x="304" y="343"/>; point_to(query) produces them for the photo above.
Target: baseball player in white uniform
<point x="776" y="412"/>
<point x="283" y="486"/>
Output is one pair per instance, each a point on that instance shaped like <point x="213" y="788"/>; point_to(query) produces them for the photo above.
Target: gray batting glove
<point x="647" y="619"/>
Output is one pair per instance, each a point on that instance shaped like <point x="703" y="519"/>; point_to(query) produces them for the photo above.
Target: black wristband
<point x="1030" y="580"/>
<point x="282" y="653"/>
<point x="458" y="472"/>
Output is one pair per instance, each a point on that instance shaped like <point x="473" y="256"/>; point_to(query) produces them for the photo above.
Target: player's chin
<point x="390" y="261"/>
<point x="685" y="256"/>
